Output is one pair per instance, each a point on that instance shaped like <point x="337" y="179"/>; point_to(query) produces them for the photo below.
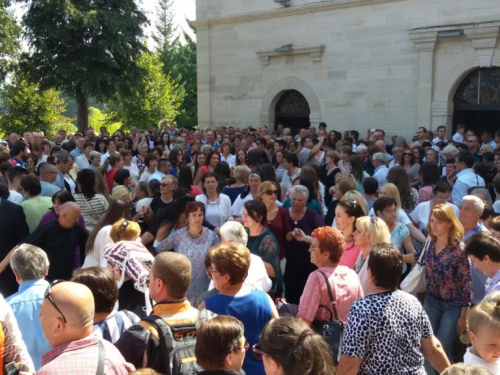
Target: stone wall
<point x="360" y="63"/>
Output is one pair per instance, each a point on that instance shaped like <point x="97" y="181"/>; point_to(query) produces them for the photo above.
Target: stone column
<point x="425" y="44"/>
<point x="203" y="70"/>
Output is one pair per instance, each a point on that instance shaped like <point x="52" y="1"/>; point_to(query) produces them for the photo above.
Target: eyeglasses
<point x="212" y="271"/>
<point x="47" y="296"/>
<point x="390" y="211"/>
<point x="257" y="353"/>
<point x="406" y="154"/>
<point x="165" y="185"/>
<point x="271" y="192"/>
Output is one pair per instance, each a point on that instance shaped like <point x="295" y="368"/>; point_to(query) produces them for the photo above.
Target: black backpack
<point x="175" y="352"/>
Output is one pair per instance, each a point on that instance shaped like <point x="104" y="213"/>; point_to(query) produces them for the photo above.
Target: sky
<point x="182" y="9"/>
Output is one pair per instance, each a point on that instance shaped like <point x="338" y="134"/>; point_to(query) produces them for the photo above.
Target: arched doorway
<point x="477" y="101"/>
<point x="292" y="111"/>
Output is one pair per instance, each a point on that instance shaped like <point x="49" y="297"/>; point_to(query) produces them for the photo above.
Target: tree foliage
<point x="85" y="48"/>
<point x="24" y="106"/>
<point x="9" y="34"/>
<point x="179" y="60"/>
<point x="156" y="98"/>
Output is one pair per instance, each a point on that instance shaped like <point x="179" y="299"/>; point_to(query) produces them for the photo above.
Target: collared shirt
<point x="436" y="140"/>
<point x="81" y="357"/>
<point x="59" y="182"/>
<point x="48" y="190"/>
<point x="287" y="180"/>
<point x="156" y="176"/>
<point x="478" y="277"/>
<point x="76" y="152"/>
<point x="380" y="175"/>
<point x="494" y="283"/>
<point x="492" y="144"/>
<point x="215" y="145"/>
<point x="465" y="179"/>
<point x="26" y="305"/>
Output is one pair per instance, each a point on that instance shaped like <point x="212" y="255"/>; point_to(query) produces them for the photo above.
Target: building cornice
<point x="287" y="12"/>
<point x="315" y="52"/>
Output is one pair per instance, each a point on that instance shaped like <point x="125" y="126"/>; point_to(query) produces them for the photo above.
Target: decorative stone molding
<point x="294" y="10"/>
<point x="315" y="52"/>
<point x="425" y="41"/>
<point x="484" y="40"/>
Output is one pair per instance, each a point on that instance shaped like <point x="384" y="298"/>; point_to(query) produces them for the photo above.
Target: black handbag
<point x="331" y="330"/>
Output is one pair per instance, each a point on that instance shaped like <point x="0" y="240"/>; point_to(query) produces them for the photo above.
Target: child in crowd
<point x="483" y="324"/>
<point x="459" y="135"/>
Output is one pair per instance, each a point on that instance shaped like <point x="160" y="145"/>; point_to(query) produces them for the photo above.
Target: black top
<point x="158" y="206"/>
<point x="131" y="299"/>
<point x="59" y="243"/>
<point x="328" y="181"/>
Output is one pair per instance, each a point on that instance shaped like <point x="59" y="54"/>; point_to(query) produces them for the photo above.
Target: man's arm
<point x="348" y="365"/>
<point x="316" y="148"/>
<point x="434" y="353"/>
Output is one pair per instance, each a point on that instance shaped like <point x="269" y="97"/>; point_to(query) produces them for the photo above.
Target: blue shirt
<point x="380" y="175"/>
<point x="76" y="152"/>
<point x="156" y="176"/>
<point x="48" y="190"/>
<point x="26" y="305"/>
<point x="465" y="180"/>
<point x="478" y="277"/>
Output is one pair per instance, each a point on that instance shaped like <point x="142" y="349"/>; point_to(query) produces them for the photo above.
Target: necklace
<point x="194" y="235"/>
<point x="297" y="221"/>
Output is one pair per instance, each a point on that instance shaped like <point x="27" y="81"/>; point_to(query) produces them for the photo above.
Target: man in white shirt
<point x="15" y="176"/>
<point x="292" y="170"/>
<point x="420" y="135"/>
<point x="83" y="161"/>
<point x="161" y="170"/>
<point x="466" y="178"/>
<point x="488" y="139"/>
<point x="380" y="161"/>
<point x="440" y="135"/>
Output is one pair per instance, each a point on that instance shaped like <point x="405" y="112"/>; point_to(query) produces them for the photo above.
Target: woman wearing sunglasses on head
<point x="288" y="346"/>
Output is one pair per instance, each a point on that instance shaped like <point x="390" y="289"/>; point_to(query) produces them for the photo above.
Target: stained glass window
<point x="479" y="88"/>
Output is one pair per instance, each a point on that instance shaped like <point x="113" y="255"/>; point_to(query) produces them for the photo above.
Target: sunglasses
<point x="257" y="353"/>
<point x="47" y="296"/>
<point x="406" y="154"/>
<point x="165" y="185"/>
<point x="271" y="192"/>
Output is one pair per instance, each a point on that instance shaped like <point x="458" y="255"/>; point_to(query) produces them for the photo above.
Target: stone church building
<point x="354" y="64"/>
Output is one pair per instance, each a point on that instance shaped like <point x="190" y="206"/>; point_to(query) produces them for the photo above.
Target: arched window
<point x="292" y="110"/>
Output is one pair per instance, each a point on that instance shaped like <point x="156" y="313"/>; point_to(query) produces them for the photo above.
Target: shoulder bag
<point x="416" y="282"/>
<point x="331" y="330"/>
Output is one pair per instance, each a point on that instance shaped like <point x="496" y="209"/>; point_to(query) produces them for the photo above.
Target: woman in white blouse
<point x="217" y="206"/>
<point x="226" y="155"/>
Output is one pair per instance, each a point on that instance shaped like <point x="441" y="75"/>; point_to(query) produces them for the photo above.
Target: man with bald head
<point x="67" y="317"/>
<point x="62" y="240"/>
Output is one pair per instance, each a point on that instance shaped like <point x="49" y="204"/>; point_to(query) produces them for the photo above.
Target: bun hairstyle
<point x="296" y="347"/>
<point x="485" y="315"/>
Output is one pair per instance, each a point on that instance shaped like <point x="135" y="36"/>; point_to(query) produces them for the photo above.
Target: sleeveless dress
<point x="254" y="312"/>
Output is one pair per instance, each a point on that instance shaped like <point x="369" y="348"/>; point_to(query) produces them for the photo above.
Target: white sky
<point x="182" y="9"/>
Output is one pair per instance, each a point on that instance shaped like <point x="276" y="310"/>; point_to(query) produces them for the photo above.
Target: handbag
<point x="416" y="281"/>
<point x="331" y="330"/>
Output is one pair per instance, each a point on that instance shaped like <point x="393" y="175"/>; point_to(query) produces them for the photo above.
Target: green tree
<point x="85" y="48"/>
<point x="25" y="106"/>
<point x="156" y="98"/>
<point x="179" y="60"/>
<point x="9" y="33"/>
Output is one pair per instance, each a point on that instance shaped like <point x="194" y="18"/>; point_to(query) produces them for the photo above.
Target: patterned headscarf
<point x="133" y="260"/>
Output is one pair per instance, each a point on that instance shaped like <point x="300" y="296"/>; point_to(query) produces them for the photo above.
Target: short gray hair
<point x="93" y="154"/>
<point x="241" y="172"/>
<point x="299" y="189"/>
<point x="381" y="158"/>
<point x="478" y="202"/>
<point x="361" y="147"/>
<point x="30" y="262"/>
<point x="484" y="192"/>
<point x="63" y="157"/>
<point x="450" y="149"/>
<point x="139" y="146"/>
<point x="234" y="231"/>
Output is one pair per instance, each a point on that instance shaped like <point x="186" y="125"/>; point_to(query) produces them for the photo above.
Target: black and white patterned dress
<point x="385" y="331"/>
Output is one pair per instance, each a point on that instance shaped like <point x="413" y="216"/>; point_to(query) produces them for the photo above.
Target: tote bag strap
<point x="426" y="247"/>
<point x="332" y="300"/>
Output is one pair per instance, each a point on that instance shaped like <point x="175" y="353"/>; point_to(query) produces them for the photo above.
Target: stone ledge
<point x="315" y="52"/>
<point x="289" y="11"/>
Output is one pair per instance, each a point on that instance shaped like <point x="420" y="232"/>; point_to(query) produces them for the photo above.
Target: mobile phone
<point x="372" y="130"/>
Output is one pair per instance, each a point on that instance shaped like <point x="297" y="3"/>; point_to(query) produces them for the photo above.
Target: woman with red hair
<point x="327" y="246"/>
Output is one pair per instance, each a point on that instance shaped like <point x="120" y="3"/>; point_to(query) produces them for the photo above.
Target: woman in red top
<point x="346" y="214"/>
<point x="277" y="217"/>
<point x="115" y="162"/>
<point x="211" y="161"/>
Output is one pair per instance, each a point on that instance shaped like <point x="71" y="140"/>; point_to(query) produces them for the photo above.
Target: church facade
<point x="353" y="64"/>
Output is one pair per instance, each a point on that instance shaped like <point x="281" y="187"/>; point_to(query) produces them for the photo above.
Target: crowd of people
<point x="227" y="235"/>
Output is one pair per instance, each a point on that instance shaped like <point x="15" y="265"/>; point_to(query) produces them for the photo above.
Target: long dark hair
<point x="357" y="167"/>
<point x="171" y="216"/>
<point x="268" y="173"/>
<point x="223" y="171"/>
<point x="86" y="181"/>
<point x="185" y="177"/>
<point x="397" y="176"/>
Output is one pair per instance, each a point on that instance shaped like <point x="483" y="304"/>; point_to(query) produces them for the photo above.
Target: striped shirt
<point x="113" y="326"/>
<point x="91" y="209"/>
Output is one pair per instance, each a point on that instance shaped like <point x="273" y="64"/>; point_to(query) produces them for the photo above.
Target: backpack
<point x="175" y="354"/>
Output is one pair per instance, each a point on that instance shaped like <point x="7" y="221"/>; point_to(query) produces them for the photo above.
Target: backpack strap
<point x="203" y="316"/>
<point x="159" y="325"/>
<point x="101" y="359"/>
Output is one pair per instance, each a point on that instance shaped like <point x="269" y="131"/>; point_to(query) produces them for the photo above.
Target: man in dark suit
<point x="13" y="229"/>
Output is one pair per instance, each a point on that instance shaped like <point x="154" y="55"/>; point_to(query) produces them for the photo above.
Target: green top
<point x="34" y="209"/>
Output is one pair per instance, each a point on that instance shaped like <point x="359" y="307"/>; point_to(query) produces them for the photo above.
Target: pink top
<point x="350" y="255"/>
<point x="425" y="194"/>
<point x="345" y="288"/>
<point x="195" y="191"/>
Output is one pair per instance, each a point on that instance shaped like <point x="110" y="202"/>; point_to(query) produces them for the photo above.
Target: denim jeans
<point x="443" y="316"/>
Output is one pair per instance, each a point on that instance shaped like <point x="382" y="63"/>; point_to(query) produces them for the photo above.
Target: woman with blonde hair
<point x="369" y="231"/>
<point x="448" y="274"/>
<point x="356" y="196"/>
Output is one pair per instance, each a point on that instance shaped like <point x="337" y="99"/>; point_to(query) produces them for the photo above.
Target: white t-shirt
<point x="475" y="360"/>
<point x="15" y="197"/>
<point x="95" y="258"/>
<point x="496" y="207"/>
<point x="422" y="212"/>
